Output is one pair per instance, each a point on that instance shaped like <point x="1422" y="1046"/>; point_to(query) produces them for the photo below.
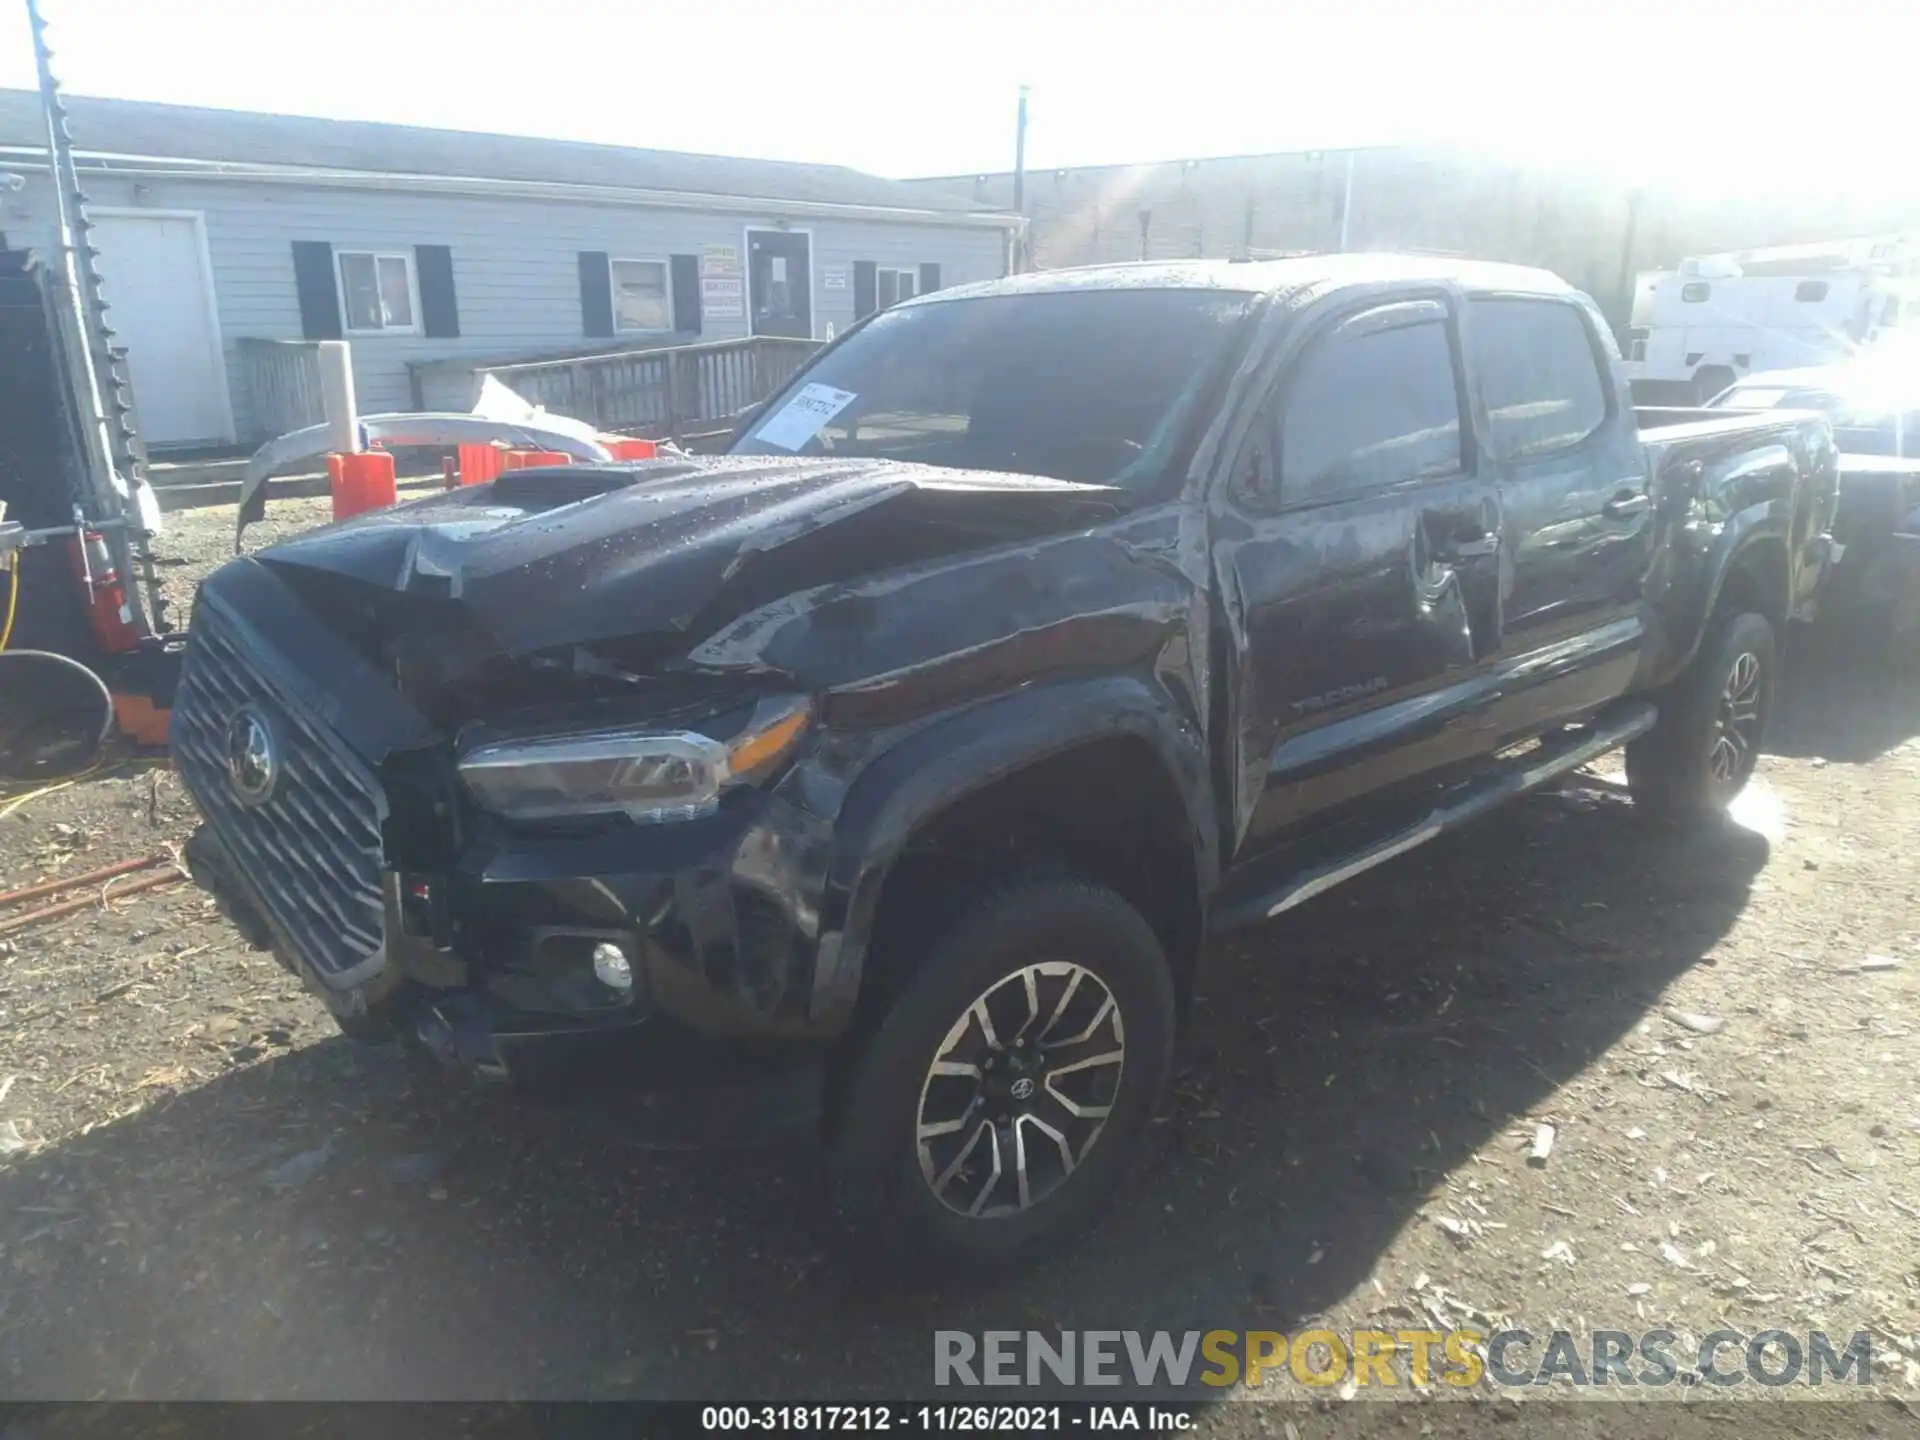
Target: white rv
<point x="1719" y="318"/>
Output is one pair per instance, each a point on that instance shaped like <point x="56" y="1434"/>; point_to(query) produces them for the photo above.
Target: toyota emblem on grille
<point x="253" y="755"/>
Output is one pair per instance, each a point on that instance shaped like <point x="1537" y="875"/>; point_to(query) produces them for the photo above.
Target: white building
<point x="218" y="228"/>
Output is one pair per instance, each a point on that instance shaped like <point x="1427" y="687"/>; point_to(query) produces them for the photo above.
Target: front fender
<point x="942" y="763"/>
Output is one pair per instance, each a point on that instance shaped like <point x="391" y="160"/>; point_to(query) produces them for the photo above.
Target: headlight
<point x="676" y="775"/>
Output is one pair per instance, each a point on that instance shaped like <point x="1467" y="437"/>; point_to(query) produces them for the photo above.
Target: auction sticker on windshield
<point x="800" y="419"/>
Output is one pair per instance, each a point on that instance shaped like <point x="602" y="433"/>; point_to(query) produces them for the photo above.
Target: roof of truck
<point x="1273" y="276"/>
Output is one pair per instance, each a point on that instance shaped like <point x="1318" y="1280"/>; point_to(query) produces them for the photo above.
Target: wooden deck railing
<point x="282" y="385"/>
<point x="670" y="391"/>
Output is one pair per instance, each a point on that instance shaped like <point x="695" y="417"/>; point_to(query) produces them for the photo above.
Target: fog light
<point x="610" y="967"/>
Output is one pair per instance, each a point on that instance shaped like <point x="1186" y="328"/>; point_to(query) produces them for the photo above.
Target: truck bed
<point x="1715" y="465"/>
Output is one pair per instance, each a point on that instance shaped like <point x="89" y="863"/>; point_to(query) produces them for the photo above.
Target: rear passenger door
<point x="1356" y="556"/>
<point x="1573" y="481"/>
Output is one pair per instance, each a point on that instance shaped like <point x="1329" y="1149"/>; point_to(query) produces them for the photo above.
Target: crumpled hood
<point x="674" y="548"/>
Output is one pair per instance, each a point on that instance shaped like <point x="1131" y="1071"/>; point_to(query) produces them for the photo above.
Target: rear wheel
<point x="1713" y="719"/>
<point x="1008" y="1090"/>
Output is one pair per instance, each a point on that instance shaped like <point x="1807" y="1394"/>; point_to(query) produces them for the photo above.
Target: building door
<point x="158" y="287"/>
<point x="780" y="282"/>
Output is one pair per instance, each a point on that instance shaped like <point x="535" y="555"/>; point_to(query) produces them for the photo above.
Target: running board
<point x="1608" y="733"/>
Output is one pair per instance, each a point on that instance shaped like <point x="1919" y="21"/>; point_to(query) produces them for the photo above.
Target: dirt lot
<point x="205" y="1192"/>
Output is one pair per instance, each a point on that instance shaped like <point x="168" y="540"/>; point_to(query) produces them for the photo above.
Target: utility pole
<point x="1020" y="157"/>
<point x="1020" y="175"/>
<point x="1346" y="201"/>
<point x="1628" y="241"/>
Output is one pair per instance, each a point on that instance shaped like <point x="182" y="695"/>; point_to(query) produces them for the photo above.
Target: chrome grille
<point x="312" y="847"/>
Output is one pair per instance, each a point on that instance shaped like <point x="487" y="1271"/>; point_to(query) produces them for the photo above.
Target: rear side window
<point x="1367" y="408"/>
<point x="1538" y="375"/>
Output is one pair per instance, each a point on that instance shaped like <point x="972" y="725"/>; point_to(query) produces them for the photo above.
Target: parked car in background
<point x="1034" y="633"/>
<point x="1873" y="403"/>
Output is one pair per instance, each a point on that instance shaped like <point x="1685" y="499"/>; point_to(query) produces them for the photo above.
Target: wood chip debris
<point x="1698" y="1023"/>
<point x="1542" y="1145"/>
<point x="1675" y="1256"/>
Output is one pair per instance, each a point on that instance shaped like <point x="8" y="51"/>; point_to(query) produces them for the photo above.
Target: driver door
<point x="1356" y="550"/>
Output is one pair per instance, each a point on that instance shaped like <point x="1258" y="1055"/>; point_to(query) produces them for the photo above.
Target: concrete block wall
<point x="1434" y="198"/>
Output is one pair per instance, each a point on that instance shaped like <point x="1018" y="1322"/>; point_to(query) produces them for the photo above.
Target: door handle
<point x="1467" y="546"/>
<point x="1626" y="503"/>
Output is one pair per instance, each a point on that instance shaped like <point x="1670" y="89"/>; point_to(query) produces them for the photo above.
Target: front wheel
<point x="1008" y="1090"/>
<point x="1704" y="748"/>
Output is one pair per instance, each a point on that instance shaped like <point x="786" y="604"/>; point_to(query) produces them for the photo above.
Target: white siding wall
<point x="515" y="262"/>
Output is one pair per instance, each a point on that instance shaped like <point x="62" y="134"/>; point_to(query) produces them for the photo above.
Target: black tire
<point x="883" y="1179"/>
<point x="1680" y="769"/>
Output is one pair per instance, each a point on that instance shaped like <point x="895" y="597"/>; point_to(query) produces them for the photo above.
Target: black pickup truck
<point x="1036" y="632"/>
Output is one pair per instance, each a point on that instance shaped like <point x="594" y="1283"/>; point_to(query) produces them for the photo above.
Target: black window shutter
<point x="866" y="288"/>
<point x="596" y="293"/>
<point x="439" y="309"/>
<point x="319" y="299"/>
<point x="686" y="294"/>
<point x="929" y="278"/>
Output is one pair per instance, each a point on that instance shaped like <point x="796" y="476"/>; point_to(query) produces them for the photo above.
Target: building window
<point x="1810" y="291"/>
<point x="1695" y="292"/>
<point x="379" y="292"/>
<point x="642" y="295"/>
<point x="895" y="286"/>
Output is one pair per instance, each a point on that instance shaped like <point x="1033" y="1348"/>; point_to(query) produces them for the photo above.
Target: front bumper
<point x="356" y="860"/>
<point x="544" y="1024"/>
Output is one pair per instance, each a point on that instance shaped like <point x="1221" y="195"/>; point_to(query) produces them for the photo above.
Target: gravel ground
<point x="206" y="1192"/>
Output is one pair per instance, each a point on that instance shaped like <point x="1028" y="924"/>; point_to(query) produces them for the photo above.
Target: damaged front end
<point x="468" y="772"/>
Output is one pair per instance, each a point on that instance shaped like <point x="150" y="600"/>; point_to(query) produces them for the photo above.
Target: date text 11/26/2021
<point x="946" y="1419"/>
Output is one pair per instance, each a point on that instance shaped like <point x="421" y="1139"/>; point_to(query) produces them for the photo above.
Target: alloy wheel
<point x="1736" y="735"/>
<point x="1020" y="1089"/>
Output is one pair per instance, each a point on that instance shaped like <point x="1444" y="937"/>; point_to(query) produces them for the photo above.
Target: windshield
<point x="1096" y="386"/>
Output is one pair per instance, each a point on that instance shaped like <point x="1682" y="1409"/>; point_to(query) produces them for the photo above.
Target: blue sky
<point x="1685" y="90"/>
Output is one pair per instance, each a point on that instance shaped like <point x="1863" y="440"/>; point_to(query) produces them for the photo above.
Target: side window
<point x="1368" y="407"/>
<point x="1538" y="375"/>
